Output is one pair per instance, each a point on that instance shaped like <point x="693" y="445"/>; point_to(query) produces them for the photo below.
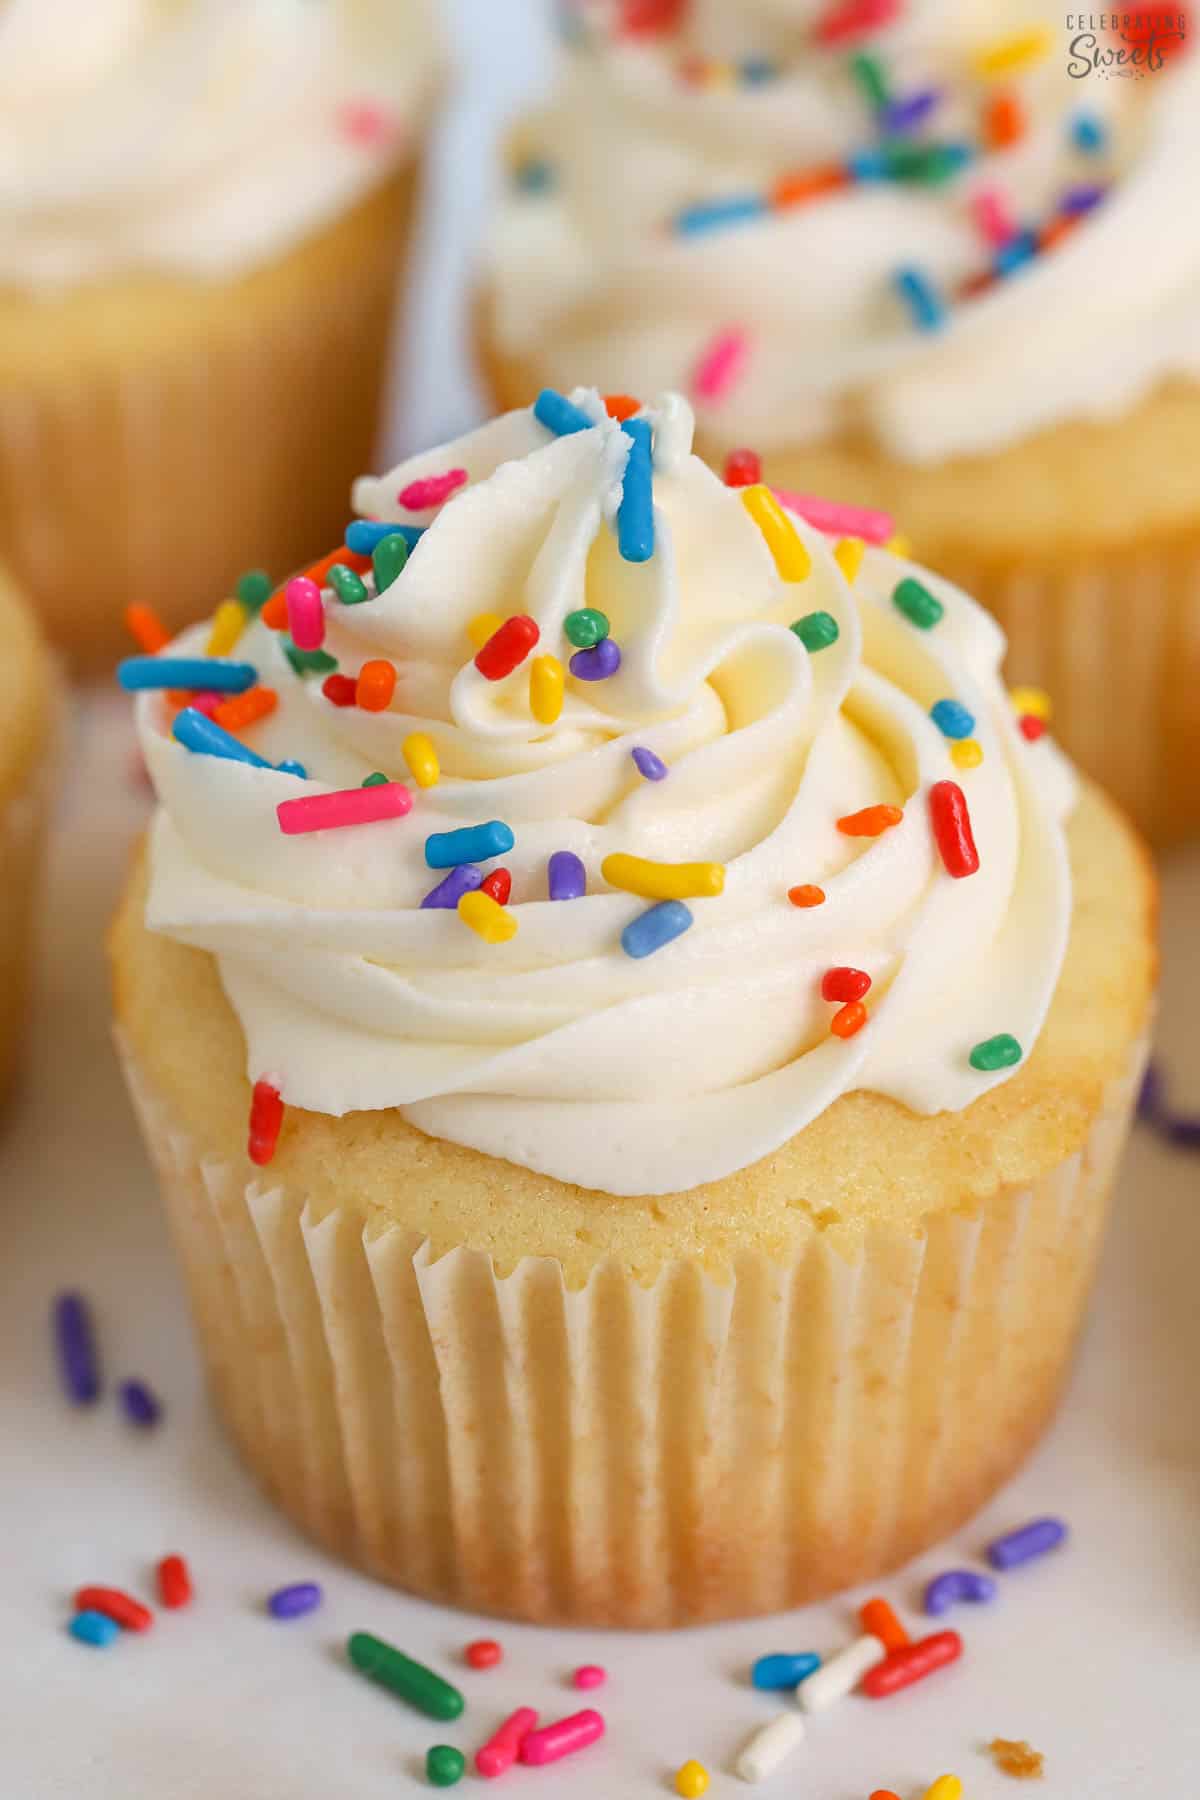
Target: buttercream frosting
<point x="557" y="1050"/>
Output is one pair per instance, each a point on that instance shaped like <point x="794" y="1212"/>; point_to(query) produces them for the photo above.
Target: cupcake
<point x="27" y="709"/>
<point x="202" y="215"/>
<point x="635" y="1040"/>
<point x="923" y="257"/>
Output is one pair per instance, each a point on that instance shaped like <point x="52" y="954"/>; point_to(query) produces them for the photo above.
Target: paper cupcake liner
<point x="221" y="433"/>
<point x="23" y="820"/>
<point x="623" y="1454"/>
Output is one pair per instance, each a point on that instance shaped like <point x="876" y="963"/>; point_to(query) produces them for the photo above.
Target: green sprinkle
<point x="391" y="554"/>
<point x="999" y="1052"/>
<point x="444" y="1765"/>
<point x="869" y="73"/>
<point x="586" y="628"/>
<point x="349" y="587"/>
<point x="253" y="589"/>
<point x="309" y="662"/>
<point x="412" y="1681"/>
<point x="928" y="165"/>
<point x="817" y="630"/>
<point x="917" y="603"/>
<point x="375" y="780"/>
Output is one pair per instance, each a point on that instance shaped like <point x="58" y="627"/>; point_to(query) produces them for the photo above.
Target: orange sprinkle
<point x="872" y="821"/>
<point x="884" y="1794"/>
<point x="848" y="1019"/>
<point x="146" y="628"/>
<point x="376" y="685"/>
<point x="807" y="184"/>
<point x="806" y="895"/>
<point x="245" y="709"/>
<point x="1057" y="229"/>
<point x="180" y="696"/>
<point x="621" y="406"/>
<point x="978" y="283"/>
<point x="1003" y="121"/>
<point x="274" y="613"/>
<point x="876" y="1615"/>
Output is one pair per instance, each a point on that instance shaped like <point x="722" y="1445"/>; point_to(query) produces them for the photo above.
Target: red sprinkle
<point x="911" y="1662"/>
<point x="266" y="1117"/>
<point x="844" y="984"/>
<point x="484" y="1653"/>
<point x="507" y="648"/>
<point x="174" y="1582"/>
<point x="342" y="690"/>
<point x="872" y="821"/>
<point x="849" y="1020"/>
<point x="952" y="829"/>
<point x="743" y="468"/>
<point x="621" y="406"/>
<point x="499" y="885"/>
<point x="806" y="895"/>
<point x="850" y="19"/>
<point x="419" y="496"/>
<point x="1031" y="727"/>
<point x="641" y="18"/>
<point x="122" y="1608"/>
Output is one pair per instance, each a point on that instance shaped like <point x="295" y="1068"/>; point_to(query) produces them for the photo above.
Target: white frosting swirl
<point x="196" y="136"/>
<point x="556" y="1050"/>
<point x="589" y="277"/>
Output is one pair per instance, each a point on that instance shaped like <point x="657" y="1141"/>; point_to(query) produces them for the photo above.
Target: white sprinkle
<point x="842" y="1673"/>
<point x="768" y="1747"/>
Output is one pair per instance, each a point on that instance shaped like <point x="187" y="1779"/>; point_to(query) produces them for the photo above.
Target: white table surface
<point x="1093" y="1654"/>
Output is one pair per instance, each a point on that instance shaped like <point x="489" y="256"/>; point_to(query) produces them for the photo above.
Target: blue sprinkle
<point x="652" y="767"/>
<point x="1081" y="199"/>
<point x="203" y="735"/>
<point x="905" y="114"/>
<point x="635" y="515"/>
<point x="472" y="843"/>
<point x="1021" y="248"/>
<point x="660" y="925"/>
<point x="202" y="673"/>
<point x="924" y="303"/>
<point x="534" y="176"/>
<point x="952" y="718"/>
<point x="293" y="768"/>
<point x="560" y="415"/>
<point x="462" y="880"/>
<point x="95" y="1629"/>
<point x="754" y="70"/>
<point x="141" y="1404"/>
<point x="944" y="1591"/>
<point x="598" y="663"/>
<point x="868" y="165"/>
<point x="1089" y="134"/>
<point x="362" y="535"/>
<point x="292" y="1602"/>
<point x="772" y="1673"/>
<point x="711" y="215"/>
<point x="76" y="1344"/>
<point x="567" y="876"/>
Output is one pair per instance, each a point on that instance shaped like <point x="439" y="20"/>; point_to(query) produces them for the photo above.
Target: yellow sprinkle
<point x="946" y="1787"/>
<point x="691" y="1780"/>
<point x="1031" y="700"/>
<point x="546" y="689"/>
<point x="482" y="627"/>
<point x="663" y="881"/>
<point x="783" y="541"/>
<point x="966" y="754"/>
<point x="1002" y="57"/>
<point x="899" y="545"/>
<point x="494" y="923"/>
<point x="720" y="75"/>
<point x="422" y="758"/>
<point x="848" y="555"/>
<point x="229" y="622"/>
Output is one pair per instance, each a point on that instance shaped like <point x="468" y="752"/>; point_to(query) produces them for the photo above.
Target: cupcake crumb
<point x="1013" y="1756"/>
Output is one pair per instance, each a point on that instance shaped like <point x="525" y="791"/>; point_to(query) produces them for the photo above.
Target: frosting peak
<point x="629" y="1056"/>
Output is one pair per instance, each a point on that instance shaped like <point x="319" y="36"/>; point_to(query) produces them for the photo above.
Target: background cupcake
<point x="27" y="706"/>
<point x="578" y="1286"/>
<point x="201" y="215"/>
<point x="919" y="255"/>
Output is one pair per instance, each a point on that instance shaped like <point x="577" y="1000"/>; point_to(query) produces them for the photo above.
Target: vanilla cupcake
<point x="922" y="256"/>
<point x="203" y="211"/>
<point x="637" y="1105"/>
<point x="27" y="710"/>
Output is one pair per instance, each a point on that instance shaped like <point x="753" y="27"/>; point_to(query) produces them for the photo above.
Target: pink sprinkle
<point x="720" y="365"/>
<point x="563" y="1738"/>
<point x="349" y="806"/>
<point x="500" y="1751"/>
<point x="418" y="496"/>
<point x="306" y="614"/>
<point x="364" y="122"/>
<point x="992" y="215"/>
<point x="838" y="519"/>
<point x="591" y="1675"/>
<point x="207" y="703"/>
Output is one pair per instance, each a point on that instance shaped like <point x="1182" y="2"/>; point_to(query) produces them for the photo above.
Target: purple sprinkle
<point x="1081" y="199"/>
<point x="142" y="1405"/>
<point x="651" y="766"/>
<point x="914" y="109"/>
<point x="1151" y="1097"/>
<point x="462" y="879"/>
<point x="944" y="1591"/>
<point x="292" y="1602"/>
<point x="1023" y="1545"/>
<point x="567" y="875"/>
<point x="76" y="1345"/>
<point x="598" y="663"/>
<point x="1184" y="1132"/>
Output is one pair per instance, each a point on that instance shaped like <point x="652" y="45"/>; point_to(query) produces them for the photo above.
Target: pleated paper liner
<point x="623" y="1454"/>
<point x="23" y="819"/>
<point x="200" y="430"/>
